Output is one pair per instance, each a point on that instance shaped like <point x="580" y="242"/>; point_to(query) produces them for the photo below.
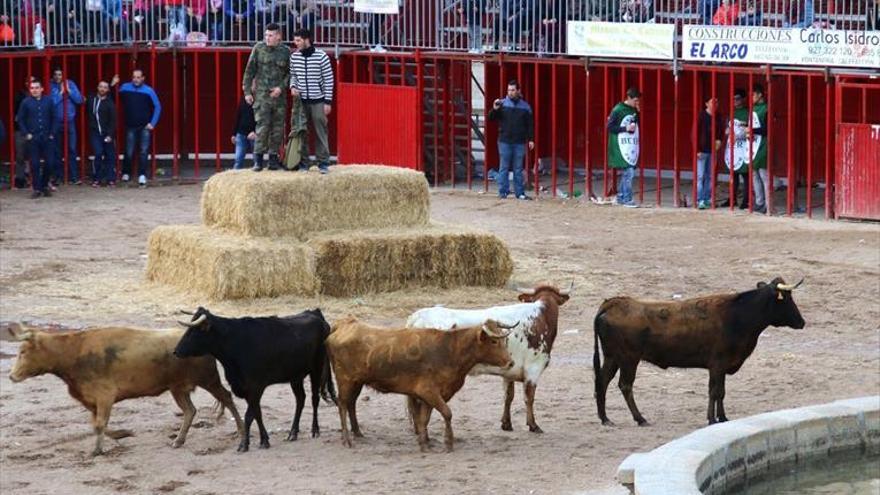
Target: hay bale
<point x="224" y="266"/>
<point x="366" y="261"/>
<point x="287" y="204"/>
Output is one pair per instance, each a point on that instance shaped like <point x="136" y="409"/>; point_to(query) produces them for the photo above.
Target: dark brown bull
<point x="429" y="365"/>
<point x="717" y="333"/>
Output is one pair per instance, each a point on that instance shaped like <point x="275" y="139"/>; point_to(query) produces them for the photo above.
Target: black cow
<point x="258" y="352"/>
<point x="717" y="333"/>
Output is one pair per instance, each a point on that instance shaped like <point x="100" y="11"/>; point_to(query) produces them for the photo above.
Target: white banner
<point x="376" y="6"/>
<point x="617" y="39"/>
<point x="806" y="46"/>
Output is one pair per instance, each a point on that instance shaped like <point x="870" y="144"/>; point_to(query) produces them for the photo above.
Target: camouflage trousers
<point x="270" y="115"/>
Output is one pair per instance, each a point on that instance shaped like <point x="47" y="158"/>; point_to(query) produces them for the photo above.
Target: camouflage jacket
<point x="267" y="68"/>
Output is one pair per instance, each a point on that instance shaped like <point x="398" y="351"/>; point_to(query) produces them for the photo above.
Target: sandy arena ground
<point x="78" y="259"/>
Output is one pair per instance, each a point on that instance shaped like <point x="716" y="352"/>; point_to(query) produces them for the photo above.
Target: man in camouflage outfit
<point x="265" y="75"/>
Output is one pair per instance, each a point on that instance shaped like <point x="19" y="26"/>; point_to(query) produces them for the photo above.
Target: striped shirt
<point x="312" y="75"/>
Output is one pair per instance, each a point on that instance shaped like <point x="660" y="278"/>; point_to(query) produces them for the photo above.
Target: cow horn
<point x="490" y="328"/>
<point x="506" y="327"/>
<point x="789" y="287"/>
<point x="565" y="292"/>
<point x="196" y="323"/>
<point x="18" y="332"/>
<point x="530" y="292"/>
<point x="185" y="312"/>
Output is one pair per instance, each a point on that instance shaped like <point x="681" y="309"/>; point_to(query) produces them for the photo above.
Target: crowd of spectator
<point x="528" y="25"/>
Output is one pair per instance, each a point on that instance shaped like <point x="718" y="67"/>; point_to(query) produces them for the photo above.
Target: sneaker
<point x="257" y="167"/>
<point x="324" y="169"/>
<point x="36" y="194"/>
<point x="47" y="193"/>
<point x="475" y="51"/>
<point x="502" y="196"/>
<point x="703" y="205"/>
<point x="303" y="167"/>
<point x="77" y="182"/>
<point x="96" y="183"/>
<point x="125" y="178"/>
<point x="378" y="49"/>
<point x="52" y="187"/>
<point x="111" y="184"/>
<point x="631" y="204"/>
<point x="142" y="181"/>
<point x="524" y="197"/>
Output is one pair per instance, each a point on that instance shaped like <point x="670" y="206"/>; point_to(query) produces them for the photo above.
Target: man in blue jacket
<point x="142" y="109"/>
<point x="36" y="120"/>
<point x="516" y="130"/>
<point x="65" y="96"/>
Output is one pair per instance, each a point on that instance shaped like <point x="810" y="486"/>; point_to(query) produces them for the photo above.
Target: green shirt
<point x="760" y="114"/>
<point x="268" y="68"/>
<point x="623" y="146"/>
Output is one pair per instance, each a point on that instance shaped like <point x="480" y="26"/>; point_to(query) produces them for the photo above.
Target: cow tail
<point x="328" y="390"/>
<point x="598" y="322"/>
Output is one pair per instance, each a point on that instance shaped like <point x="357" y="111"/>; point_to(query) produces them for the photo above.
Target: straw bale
<point x="367" y="261"/>
<point x="297" y="204"/>
<point x="224" y="266"/>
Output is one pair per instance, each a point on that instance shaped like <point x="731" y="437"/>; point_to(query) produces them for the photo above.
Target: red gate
<point x="858" y="172"/>
<point x="365" y="130"/>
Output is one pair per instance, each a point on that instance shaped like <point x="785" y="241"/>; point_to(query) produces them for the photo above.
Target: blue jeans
<point x="58" y="158"/>
<point x="625" y="189"/>
<point x="704" y="175"/>
<point x="707" y="10"/>
<point x="243" y="146"/>
<point x="512" y="156"/>
<point x="105" y="158"/>
<point x="142" y="135"/>
<point x="39" y="147"/>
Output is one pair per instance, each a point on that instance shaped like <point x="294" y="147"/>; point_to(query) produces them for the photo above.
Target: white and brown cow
<point x="530" y="341"/>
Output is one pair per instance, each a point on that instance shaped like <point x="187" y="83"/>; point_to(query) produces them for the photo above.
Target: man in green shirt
<point x="759" y="142"/>
<point x="623" y="144"/>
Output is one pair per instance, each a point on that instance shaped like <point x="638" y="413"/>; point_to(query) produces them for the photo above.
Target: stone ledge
<point x="719" y="456"/>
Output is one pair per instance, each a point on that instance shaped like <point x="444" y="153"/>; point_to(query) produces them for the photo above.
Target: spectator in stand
<point x="550" y="18"/>
<point x="215" y="19"/>
<point x="95" y="29"/>
<point x="710" y="130"/>
<point x="7" y="32"/>
<point x="146" y="19"/>
<point x="375" y="26"/>
<point x="175" y="17"/>
<point x="874" y="16"/>
<point x="471" y="12"/>
<point x="117" y="25"/>
<point x="36" y="119"/>
<point x="244" y="133"/>
<point x="142" y="109"/>
<point x="801" y="14"/>
<point x="65" y="96"/>
<point x="101" y="117"/>
<point x="707" y="10"/>
<point x="267" y="12"/>
<point x="238" y="25"/>
<point x="195" y="15"/>
<point x="727" y="14"/>
<point x="752" y="15"/>
<point x="637" y="10"/>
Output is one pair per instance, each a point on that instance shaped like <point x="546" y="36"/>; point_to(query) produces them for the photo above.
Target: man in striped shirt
<point x="311" y="80"/>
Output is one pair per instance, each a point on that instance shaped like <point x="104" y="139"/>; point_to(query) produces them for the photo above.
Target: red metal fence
<point x="857" y="193"/>
<point x="199" y="88"/>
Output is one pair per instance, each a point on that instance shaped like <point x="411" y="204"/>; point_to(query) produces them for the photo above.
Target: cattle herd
<point x="427" y="361"/>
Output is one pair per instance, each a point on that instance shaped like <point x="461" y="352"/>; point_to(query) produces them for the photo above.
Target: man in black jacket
<point x="517" y="128"/>
<point x="244" y="133"/>
<point x="101" y="115"/>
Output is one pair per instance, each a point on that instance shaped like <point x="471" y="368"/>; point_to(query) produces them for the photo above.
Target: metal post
<point x="570" y="135"/>
<point x="197" y="128"/>
<point x="810" y="144"/>
<point x="217" y="110"/>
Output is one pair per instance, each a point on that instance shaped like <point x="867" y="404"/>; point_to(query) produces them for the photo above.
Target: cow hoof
<point x="291" y="437"/>
<point x="243" y="447"/>
<point x="506" y="426"/>
<point x="317" y="433"/>
<point x="722" y="419"/>
<point x="712" y="421"/>
<point x="357" y="434"/>
<point x="177" y="444"/>
<point x="607" y="422"/>
<point x="97" y="452"/>
<point x="264" y="444"/>
<point x="643" y="422"/>
<point x="535" y="429"/>
<point x="346" y="442"/>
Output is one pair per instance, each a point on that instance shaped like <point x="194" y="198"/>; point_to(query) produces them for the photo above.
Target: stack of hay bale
<point x="359" y="230"/>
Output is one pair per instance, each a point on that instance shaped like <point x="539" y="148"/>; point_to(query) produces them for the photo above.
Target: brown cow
<point x="717" y="333"/>
<point x="102" y="366"/>
<point x="430" y="365"/>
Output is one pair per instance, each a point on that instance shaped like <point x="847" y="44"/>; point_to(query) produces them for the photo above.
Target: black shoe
<point x="273" y="162"/>
<point x="744" y="206"/>
<point x="47" y="192"/>
<point x="257" y="167"/>
<point x="36" y="194"/>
